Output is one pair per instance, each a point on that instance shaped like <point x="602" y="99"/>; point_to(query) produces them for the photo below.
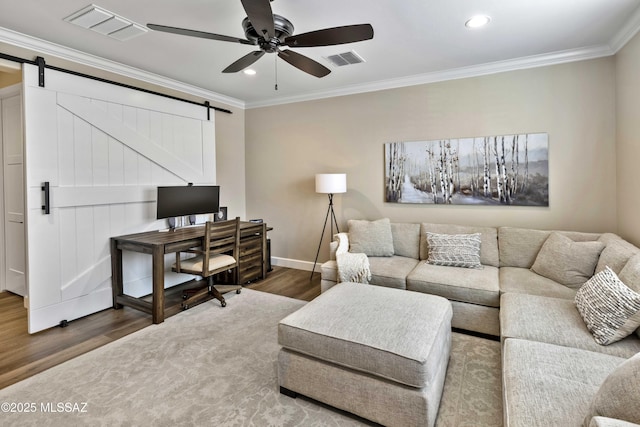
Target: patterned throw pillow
<point x="454" y="250"/>
<point x="609" y="308"/>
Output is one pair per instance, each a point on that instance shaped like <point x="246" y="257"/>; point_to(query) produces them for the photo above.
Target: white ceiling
<point x="415" y="41"/>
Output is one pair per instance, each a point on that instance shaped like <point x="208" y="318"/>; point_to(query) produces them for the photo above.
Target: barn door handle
<point x="46" y="207"/>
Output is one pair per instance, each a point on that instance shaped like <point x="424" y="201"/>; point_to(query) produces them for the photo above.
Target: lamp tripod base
<point x="332" y="222"/>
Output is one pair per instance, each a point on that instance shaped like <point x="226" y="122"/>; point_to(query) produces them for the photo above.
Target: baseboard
<point x="294" y="263"/>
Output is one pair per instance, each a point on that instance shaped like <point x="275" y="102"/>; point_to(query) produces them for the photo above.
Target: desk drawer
<point x="252" y="273"/>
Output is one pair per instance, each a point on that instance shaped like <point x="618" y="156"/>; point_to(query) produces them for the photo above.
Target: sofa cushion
<point x="391" y="272"/>
<point x="476" y="286"/>
<point x="520" y="246"/>
<point x="406" y="239"/>
<point x="454" y="250"/>
<point x="525" y="281"/>
<point x="554" y="321"/>
<point x="550" y="385"/>
<point x="373" y="238"/>
<point x="616" y="253"/>
<point x="488" y="235"/>
<point x="567" y="262"/>
<point x="609" y="308"/>
<point x="619" y="394"/>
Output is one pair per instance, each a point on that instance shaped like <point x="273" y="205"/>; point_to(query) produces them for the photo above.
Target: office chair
<point x="219" y="252"/>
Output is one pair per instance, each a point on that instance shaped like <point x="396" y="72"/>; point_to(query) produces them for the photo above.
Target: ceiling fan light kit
<point x="271" y="32"/>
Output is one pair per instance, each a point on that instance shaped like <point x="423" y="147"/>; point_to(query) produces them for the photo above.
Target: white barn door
<point x="103" y="150"/>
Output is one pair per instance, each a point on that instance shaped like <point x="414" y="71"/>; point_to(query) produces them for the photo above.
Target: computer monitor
<point x="176" y="201"/>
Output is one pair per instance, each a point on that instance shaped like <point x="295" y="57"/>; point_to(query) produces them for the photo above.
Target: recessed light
<point x="250" y="72"/>
<point x="477" y="21"/>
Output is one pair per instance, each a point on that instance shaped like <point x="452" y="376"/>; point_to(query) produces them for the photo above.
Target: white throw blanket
<point x="352" y="267"/>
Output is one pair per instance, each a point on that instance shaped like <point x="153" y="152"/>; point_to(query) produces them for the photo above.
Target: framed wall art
<point x="508" y="170"/>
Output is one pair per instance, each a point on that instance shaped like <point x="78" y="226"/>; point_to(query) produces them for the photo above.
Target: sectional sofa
<point x="524" y="286"/>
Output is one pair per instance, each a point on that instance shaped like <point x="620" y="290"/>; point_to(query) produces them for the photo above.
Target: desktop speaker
<point x="221" y="215"/>
<point x="172" y="222"/>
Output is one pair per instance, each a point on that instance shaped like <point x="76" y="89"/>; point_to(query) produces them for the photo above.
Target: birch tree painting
<point x="491" y="170"/>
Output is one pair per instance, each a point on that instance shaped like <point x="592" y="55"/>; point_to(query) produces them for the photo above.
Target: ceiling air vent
<point x="347" y="58"/>
<point x="107" y="23"/>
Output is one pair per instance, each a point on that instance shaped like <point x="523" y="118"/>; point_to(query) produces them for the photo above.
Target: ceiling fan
<point x="270" y="32"/>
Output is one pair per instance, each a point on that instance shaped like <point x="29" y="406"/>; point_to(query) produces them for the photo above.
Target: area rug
<point x="214" y="366"/>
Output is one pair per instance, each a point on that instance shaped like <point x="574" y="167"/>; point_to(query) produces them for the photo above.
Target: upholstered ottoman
<point x="376" y="352"/>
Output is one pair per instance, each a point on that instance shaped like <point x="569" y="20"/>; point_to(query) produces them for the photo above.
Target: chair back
<point x="221" y="238"/>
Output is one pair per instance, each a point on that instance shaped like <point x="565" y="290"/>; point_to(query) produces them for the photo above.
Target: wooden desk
<point x="159" y="243"/>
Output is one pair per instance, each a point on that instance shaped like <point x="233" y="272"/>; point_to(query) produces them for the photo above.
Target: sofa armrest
<point x="340" y="244"/>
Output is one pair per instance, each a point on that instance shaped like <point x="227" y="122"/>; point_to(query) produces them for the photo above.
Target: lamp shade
<point x="331" y="183"/>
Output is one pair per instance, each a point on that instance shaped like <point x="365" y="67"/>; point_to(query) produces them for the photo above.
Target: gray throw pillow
<point x="630" y="276"/>
<point x="609" y="308"/>
<point x="618" y="396"/>
<point x="567" y="262"/>
<point x="372" y="238"/>
<point x="454" y="250"/>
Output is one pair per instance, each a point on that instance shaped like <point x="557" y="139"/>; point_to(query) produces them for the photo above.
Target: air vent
<point x="342" y="59"/>
<point x="107" y="23"/>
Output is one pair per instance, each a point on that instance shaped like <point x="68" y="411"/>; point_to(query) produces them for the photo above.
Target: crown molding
<point x="626" y="33"/>
<point x="48" y="48"/>
<point x="534" y="61"/>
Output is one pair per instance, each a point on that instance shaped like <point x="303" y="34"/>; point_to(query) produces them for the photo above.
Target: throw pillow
<point x="567" y="262"/>
<point x="372" y="238"/>
<point x="618" y="395"/>
<point x="630" y="276"/>
<point x="609" y="308"/>
<point x="454" y="250"/>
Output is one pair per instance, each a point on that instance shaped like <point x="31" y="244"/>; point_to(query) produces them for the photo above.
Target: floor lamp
<point x="330" y="184"/>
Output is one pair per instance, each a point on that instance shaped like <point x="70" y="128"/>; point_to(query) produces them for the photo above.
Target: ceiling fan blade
<point x="331" y="36"/>
<point x="304" y="63"/>
<point x="261" y="17"/>
<point x="244" y="62"/>
<point x="195" y="33"/>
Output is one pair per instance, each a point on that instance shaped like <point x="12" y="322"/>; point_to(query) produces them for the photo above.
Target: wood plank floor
<point x="23" y="355"/>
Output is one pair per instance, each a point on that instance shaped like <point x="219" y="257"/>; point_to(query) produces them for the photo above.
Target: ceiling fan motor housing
<point x="283" y="28"/>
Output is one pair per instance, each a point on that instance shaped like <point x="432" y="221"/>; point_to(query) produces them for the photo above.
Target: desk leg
<point x="158" y="284"/>
<point x="116" y="273"/>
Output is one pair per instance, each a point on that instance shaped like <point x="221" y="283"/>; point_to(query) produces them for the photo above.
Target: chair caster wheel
<point x="238" y="291"/>
<point x="185" y="296"/>
<point x="223" y="303"/>
<point x="185" y="307"/>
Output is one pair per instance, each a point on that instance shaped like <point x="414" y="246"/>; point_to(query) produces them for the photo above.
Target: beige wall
<point x="230" y="154"/>
<point x="8" y="79"/>
<point x="628" y="138"/>
<point x="287" y="145"/>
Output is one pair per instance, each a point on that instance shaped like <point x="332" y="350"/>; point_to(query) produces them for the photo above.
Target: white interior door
<point x="14" y="265"/>
<point x="103" y="150"/>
